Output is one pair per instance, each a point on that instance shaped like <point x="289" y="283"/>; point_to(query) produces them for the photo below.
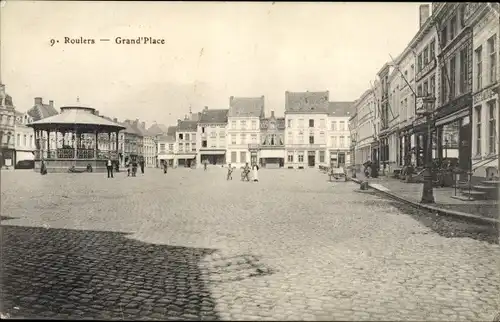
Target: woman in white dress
<point x="255" y="169"/>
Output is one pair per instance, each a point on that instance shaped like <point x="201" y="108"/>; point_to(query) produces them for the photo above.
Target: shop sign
<point x="483" y="95"/>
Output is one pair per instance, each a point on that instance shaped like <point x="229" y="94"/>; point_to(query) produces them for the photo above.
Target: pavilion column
<point x="116" y="147"/>
<point x="109" y="143"/>
<point x="75" y="144"/>
<point x="96" y="144"/>
<point x="48" y="143"/>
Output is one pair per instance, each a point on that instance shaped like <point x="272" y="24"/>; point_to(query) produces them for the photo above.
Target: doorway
<point x="464" y="146"/>
<point x="341" y="159"/>
<point x="311" y="158"/>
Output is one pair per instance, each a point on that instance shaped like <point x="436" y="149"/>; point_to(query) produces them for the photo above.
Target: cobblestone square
<point x="191" y="245"/>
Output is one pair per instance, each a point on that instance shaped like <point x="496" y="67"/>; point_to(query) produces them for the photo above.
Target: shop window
<point x="492" y="127"/>
<point x="290" y="157"/>
<point x="478" y="129"/>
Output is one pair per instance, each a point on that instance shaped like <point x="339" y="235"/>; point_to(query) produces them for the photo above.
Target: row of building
<point x="451" y="69"/>
<point x="312" y="132"/>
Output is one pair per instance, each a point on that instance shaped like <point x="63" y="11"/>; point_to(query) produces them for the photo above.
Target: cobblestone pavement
<point x="191" y="245"/>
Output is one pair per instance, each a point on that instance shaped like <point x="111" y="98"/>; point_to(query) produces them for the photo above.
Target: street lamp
<point x="427" y="192"/>
<point x="353" y="143"/>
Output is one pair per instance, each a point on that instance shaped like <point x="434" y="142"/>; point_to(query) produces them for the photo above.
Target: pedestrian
<point x="109" y="167"/>
<point x="165" y="167"/>
<point x="229" y="172"/>
<point x="129" y="168"/>
<point x="134" y="168"/>
<point x="141" y="164"/>
<point x="205" y="163"/>
<point x="255" y="172"/>
<point x="246" y="172"/>
<point x="43" y="168"/>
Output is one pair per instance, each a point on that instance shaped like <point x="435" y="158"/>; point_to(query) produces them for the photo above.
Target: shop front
<point x="272" y="158"/>
<point x="186" y="160"/>
<point x="213" y="156"/>
<point x="168" y="158"/>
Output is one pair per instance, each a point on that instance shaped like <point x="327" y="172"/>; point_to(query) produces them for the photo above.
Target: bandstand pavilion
<point x="77" y="138"/>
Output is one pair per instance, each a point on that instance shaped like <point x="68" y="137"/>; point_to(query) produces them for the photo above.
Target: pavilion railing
<point x="81" y="154"/>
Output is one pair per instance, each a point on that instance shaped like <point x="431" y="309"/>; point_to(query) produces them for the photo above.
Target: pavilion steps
<point x="486" y="190"/>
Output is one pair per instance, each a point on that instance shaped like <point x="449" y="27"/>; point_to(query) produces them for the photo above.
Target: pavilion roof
<point x="76" y="116"/>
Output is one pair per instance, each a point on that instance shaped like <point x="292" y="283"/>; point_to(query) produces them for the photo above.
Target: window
<point x="301" y="156"/>
<point x="341" y="141"/>
<point x="25" y="140"/>
<point x="478" y="130"/>
<point x="181" y="147"/>
<point x="222" y="134"/>
<point x="334" y="126"/>
<point x="426" y="56"/>
<point x="334" y="141"/>
<point x="31" y="140"/>
<point x="204" y="143"/>
<point x="202" y="129"/>
<point x="492" y="53"/>
<point x="453" y="72"/>
<point x="290" y="123"/>
<point x="331" y="140"/>
<point x="301" y="138"/>
<point x="289" y="138"/>
<point x="254" y="125"/>
<point x="453" y="27"/>
<point x="444" y="36"/>
<point x="321" y="156"/>
<point x="171" y="147"/>
<point x="18" y="139"/>
<point x="432" y="86"/>
<point x="243" y="138"/>
<point x="233" y="126"/>
<point x="243" y="157"/>
<point x="322" y="123"/>
<point x="492" y="127"/>
<point x="419" y="63"/>
<point x="243" y="124"/>
<point x="321" y="137"/>
<point x="311" y="138"/>
<point x="342" y="126"/>
<point x="233" y="138"/>
<point x="193" y="137"/>
<point x="193" y="147"/>
<point x="213" y="135"/>
<point x="233" y="157"/>
<point x="289" y="157"/>
<point x="419" y="90"/>
<point x="464" y="71"/>
<point x="187" y="136"/>
<point x="462" y="16"/>
<point x="301" y="123"/>
<point x="425" y="89"/>
<point x="162" y="147"/>
<point x="311" y="123"/>
<point x="432" y="50"/>
<point x="479" y="67"/>
<point x="406" y="75"/>
<point x="181" y="136"/>
<point x="254" y="138"/>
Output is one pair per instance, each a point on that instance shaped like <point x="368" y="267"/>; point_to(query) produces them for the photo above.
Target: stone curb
<point x="441" y="211"/>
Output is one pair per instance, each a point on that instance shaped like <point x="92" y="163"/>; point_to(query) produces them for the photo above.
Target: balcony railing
<point x="82" y="154"/>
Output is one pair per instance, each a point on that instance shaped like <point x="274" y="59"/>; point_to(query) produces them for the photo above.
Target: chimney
<point x="143" y="125"/>
<point x="51" y="103"/>
<point x="206" y="108"/>
<point x="115" y="120"/>
<point x="231" y="98"/>
<point x="424" y="13"/>
<point x="38" y="101"/>
<point x="179" y="121"/>
<point x="272" y="113"/>
<point x="96" y="112"/>
<point x="186" y="117"/>
<point x="199" y="116"/>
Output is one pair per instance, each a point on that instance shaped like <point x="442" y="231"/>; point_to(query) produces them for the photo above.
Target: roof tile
<point x="340" y="108"/>
<point x="306" y="102"/>
<point x="214" y="116"/>
<point x="246" y="107"/>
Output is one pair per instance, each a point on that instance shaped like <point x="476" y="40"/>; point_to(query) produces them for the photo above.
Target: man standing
<point x="246" y="171"/>
<point x="109" y="166"/>
<point x="229" y="172"/>
<point x="141" y="164"/>
<point x="165" y="167"/>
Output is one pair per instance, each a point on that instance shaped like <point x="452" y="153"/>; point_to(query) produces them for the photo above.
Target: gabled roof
<point x="190" y="126"/>
<point x="166" y="138"/>
<point x="41" y="111"/>
<point x="246" y="107"/>
<point x="340" y="108"/>
<point x="130" y="128"/>
<point x="306" y="102"/>
<point x="156" y="129"/>
<point x="214" y="116"/>
<point x="171" y="130"/>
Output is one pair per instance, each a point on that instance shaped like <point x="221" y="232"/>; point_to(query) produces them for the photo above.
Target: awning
<point x="166" y="157"/>
<point x="272" y="154"/>
<point x="186" y="156"/>
<point x="453" y="117"/>
<point x="212" y="152"/>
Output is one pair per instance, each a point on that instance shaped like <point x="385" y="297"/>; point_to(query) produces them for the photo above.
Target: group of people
<point x="245" y="172"/>
<point x="131" y="165"/>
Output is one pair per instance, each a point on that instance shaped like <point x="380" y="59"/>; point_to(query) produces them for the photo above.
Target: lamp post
<point x="353" y="143"/>
<point x="427" y="192"/>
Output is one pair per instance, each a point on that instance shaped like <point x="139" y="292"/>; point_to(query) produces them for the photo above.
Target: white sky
<point x="249" y="49"/>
